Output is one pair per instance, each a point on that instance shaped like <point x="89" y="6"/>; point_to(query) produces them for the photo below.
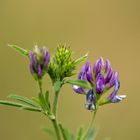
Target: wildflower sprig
<point x="91" y="82"/>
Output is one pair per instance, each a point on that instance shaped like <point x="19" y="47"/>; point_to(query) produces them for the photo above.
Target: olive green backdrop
<point x="108" y="28"/>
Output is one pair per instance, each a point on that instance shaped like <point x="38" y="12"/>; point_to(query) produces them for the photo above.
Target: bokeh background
<point x="108" y="28"/>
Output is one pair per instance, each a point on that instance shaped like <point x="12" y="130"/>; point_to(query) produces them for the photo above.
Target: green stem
<point x="90" y="125"/>
<point x="55" y="103"/>
<point x="40" y="86"/>
<point x="54" y="110"/>
<point x="55" y="124"/>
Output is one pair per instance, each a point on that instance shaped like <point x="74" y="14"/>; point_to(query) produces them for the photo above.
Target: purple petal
<point x="108" y="66"/>
<point x="90" y="100"/>
<point x="118" y="98"/>
<point x="88" y="72"/>
<point x="82" y="74"/>
<point x="100" y="83"/>
<point x="102" y="63"/>
<point x="116" y="88"/>
<point x="109" y="75"/>
<point x="31" y="56"/>
<point x="46" y="59"/>
<point x="97" y="68"/>
<point x="113" y="80"/>
<point x="34" y="60"/>
<point x="78" y="89"/>
<point x="32" y="68"/>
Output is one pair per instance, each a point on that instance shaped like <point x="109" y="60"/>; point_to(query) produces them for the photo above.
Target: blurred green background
<point x="108" y="28"/>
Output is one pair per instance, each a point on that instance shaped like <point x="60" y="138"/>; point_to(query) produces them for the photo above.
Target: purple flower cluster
<point x="101" y="77"/>
<point x="39" y="59"/>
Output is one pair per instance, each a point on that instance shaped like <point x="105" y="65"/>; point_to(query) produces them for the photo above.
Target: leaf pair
<point x="28" y="104"/>
<point x="44" y="103"/>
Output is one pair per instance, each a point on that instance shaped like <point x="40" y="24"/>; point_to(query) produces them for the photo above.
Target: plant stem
<point x="55" y="103"/>
<point x="55" y="124"/>
<point x="90" y="125"/>
<point x="40" y="86"/>
<point x="54" y="110"/>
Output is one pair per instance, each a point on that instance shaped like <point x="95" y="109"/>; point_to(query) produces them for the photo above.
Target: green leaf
<point x="36" y="100"/>
<point x="20" y="50"/>
<point x="65" y="133"/>
<point x="81" y="59"/>
<point x="9" y="103"/>
<point x="44" y="103"/>
<point x="80" y="133"/>
<point x="23" y="99"/>
<point x="81" y="83"/>
<point x="92" y="134"/>
<point x="31" y="108"/>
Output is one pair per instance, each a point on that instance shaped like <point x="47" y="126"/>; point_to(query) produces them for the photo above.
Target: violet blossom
<point x="39" y="59"/>
<point x="101" y="78"/>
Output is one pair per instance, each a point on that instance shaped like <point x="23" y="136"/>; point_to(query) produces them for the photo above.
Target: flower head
<point x="39" y="59"/>
<point x="101" y="78"/>
<point x="62" y="64"/>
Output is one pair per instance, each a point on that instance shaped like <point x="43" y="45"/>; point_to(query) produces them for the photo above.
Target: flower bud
<point x="39" y="59"/>
<point x="90" y="100"/>
<point x="62" y="65"/>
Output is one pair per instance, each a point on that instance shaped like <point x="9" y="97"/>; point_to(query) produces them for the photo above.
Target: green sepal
<point x="81" y="59"/>
<point x="24" y="100"/>
<point x="79" y="133"/>
<point x="21" y="106"/>
<point x="19" y="49"/>
<point x="81" y="83"/>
